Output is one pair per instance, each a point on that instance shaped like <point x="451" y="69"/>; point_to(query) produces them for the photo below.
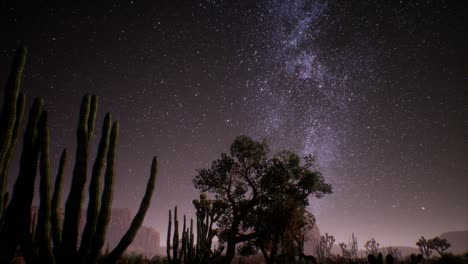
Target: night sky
<point x="378" y="92"/>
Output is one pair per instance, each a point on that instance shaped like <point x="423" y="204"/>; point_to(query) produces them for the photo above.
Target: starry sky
<point x="377" y="91"/>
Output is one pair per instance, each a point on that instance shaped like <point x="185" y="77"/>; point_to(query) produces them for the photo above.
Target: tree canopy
<point x="264" y="198"/>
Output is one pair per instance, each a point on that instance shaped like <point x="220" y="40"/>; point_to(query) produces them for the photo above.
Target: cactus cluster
<point x="40" y="238"/>
<point x="174" y="254"/>
<point x="415" y="259"/>
<point x="189" y="252"/>
<point x="323" y="249"/>
<point x="372" y="247"/>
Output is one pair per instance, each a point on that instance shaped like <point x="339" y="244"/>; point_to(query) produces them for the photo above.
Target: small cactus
<point x="416" y="259"/>
<point x="389" y="259"/>
<point x="375" y="260"/>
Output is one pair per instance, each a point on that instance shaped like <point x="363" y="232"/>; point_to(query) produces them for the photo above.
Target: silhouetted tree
<point x="255" y="189"/>
<point x="439" y="245"/>
<point x="424" y="247"/>
<point x="344" y="250"/>
<point x="282" y="216"/>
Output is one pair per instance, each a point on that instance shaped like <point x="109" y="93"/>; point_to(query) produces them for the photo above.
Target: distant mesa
<point x="458" y="240"/>
<point x="146" y="241"/>
<point x="312" y="240"/>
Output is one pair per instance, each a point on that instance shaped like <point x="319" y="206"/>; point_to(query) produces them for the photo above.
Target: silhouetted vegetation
<point x="372" y="247"/>
<point x="46" y="241"/>
<point x="256" y="208"/>
<point x="186" y="249"/>
<point x="264" y="199"/>
<point x="423" y="246"/>
<point x="439" y="245"/>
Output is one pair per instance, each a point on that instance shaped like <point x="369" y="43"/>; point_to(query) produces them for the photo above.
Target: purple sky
<point x="376" y="91"/>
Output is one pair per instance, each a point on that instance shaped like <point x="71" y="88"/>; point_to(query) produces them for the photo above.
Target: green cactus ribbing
<point x="94" y="188"/>
<point x="75" y="198"/>
<point x="11" y="147"/>
<point x="137" y="221"/>
<point x="56" y="197"/>
<point x="106" y="199"/>
<point x="18" y="214"/>
<point x="11" y="120"/>
<point x="43" y="222"/>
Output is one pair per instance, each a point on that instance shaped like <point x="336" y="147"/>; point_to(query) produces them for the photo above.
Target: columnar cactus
<point x="15" y="222"/>
<point x="11" y="120"/>
<point x="75" y="198"/>
<point x="207" y="214"/>
<point x="55" y="210"/>
<point x="43" y="223"/>
<point x="176" y="255"/>
<point x="18" y="213"/>
<point x="106" y="199"/>
<point x="168" y="241"/>
<point x="94" y="188"/>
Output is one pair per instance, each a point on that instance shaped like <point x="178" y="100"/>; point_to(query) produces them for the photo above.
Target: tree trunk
<point x="230" y="251"/>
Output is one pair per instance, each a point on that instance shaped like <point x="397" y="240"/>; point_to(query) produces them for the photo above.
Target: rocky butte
<point x="146" y="241"/>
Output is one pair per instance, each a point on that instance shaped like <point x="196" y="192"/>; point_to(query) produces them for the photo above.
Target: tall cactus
<point x="43" y="223"/>
<point x="75" y="198"/>
<point x="168" y="241"/>
<point x="188" y="249"/>
<point x="208" y="212"/>
<point x="174" y="257"/>
<point x="183" y="251"/>
<point x="94" y="188"/>
<point x="15" y="220"/>
<point x="56" y="197"/>
<point x="106" y="199"/>
<point x="10" y="120"/>
<point x="18" y="213"/>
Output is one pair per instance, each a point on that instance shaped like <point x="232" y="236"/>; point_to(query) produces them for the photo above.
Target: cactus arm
<point x="106" y="198"/>
<point x="43" y="223"/>
<point x="137" y="221"/>
<point x="18" y="214"/>
<point x="168" y="242"/>
<point x="11" y="147"/>
<point x="56" y="197"/>
<point x="75" y="198"/>
<point x="94" y="188"/>
<point x="10" y="120"/>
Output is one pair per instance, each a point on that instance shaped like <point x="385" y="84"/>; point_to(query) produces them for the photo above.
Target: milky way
<point x="375" y="90"/>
